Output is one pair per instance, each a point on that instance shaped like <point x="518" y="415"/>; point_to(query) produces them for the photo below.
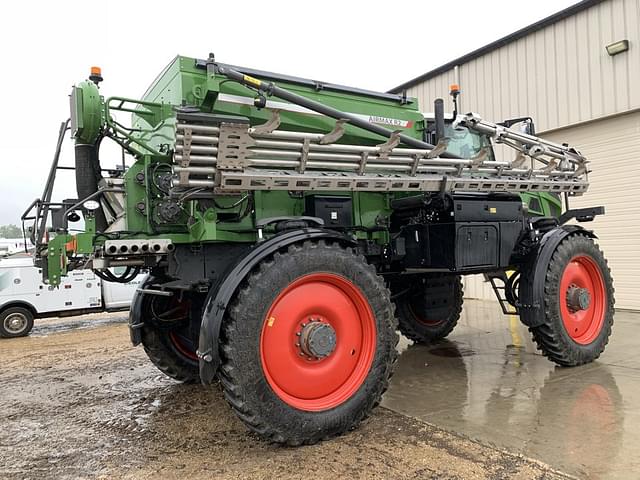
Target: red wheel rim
<point x="315" y="384"/>
<point x="182" y="347"/>
<point x="584" y="325"/>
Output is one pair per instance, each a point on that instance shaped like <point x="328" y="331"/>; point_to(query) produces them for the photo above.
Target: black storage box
<point x="478" y="233"/>
<point x="334" y="210"/>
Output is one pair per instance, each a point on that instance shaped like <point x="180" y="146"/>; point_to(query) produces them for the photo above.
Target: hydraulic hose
<point x="271" y="88"/>
<point x="87" y="177"/>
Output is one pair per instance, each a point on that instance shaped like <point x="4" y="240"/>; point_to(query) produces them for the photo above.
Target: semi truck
<point x="290" y="227"/>
<point x="24" y="297"/>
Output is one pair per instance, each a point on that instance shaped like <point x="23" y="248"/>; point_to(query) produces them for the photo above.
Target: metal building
<point x="577" y="73"/>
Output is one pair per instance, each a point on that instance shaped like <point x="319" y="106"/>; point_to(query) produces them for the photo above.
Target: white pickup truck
<point x="23" y="296"/>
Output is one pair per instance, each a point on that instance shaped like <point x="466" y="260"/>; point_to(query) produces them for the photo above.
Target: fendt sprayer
<point x="290" y="226"/>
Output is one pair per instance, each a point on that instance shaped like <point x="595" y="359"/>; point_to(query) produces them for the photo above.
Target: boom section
<point x="222" y="153"/>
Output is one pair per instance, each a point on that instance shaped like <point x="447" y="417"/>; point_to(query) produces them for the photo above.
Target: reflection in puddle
<point x="448" y="349"/>
<point x="490" y="384"/>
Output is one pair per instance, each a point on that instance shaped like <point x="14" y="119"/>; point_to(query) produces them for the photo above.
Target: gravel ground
<point x="77" y="401"/>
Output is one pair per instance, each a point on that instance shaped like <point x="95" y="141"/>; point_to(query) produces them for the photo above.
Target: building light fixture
<point x="617" y="47"/>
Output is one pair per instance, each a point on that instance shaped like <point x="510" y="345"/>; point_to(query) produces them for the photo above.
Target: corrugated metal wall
<point x="563" y="76"/>
<point x="613" y="148"/>
<point x="560" y="75"/>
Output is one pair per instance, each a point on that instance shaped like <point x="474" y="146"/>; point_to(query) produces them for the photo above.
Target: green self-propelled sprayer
<point x="289" y="227"/>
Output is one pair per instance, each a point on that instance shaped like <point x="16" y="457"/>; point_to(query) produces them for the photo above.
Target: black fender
<point x="533" y="273"/>
<point x="135" y="312"/>
<point x="219" y="298"/>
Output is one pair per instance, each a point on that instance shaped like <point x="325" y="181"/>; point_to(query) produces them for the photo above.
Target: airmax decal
<point x="392" y="122"/>
<point x="289" y="107"/>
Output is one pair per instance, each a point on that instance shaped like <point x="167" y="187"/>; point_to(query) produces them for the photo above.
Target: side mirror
<point x="523" y="124"/>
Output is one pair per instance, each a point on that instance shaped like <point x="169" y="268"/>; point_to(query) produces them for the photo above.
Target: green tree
<point x="10" y="231"/>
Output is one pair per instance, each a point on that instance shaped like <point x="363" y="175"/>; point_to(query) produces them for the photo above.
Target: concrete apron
<point x="487" y="381"/>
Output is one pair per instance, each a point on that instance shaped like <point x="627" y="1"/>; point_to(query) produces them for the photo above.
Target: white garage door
<point x="613" y="148"/>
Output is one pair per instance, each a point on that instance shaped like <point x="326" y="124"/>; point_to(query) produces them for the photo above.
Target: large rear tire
<point x="430" y="308"/>
<point x="308" y="345"/>
<point x="168" y="337"/>
<point x="578" y="303"/>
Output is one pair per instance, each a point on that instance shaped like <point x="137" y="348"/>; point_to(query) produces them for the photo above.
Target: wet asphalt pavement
<point x="77" y="401"/>
<point x="487" y="381"/>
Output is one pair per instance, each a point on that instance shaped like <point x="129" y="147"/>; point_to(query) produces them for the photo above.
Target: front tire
<point x="169" y="338"/>
<point x="308" y="344"/>
<point x="15" y="322"/>
<point x="430" y="308"/>
<point x="578" y="303"/>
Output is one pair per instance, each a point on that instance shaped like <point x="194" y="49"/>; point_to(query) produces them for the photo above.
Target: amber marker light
<point x="96" y="75"/>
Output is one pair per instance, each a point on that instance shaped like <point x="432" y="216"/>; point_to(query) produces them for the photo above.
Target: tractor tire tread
<point x="550" y="336"/>
<point x="155" y="345"/>
<point x="407" y="323"/>
<point x="231" y="374"/>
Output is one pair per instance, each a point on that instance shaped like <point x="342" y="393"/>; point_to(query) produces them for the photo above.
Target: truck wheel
<point x="15" y="322"/>
<point x="167" y="340"/>
<point x="578" y="303"/>
<point x="308" y="344"/>
<point x="430" y="309"/>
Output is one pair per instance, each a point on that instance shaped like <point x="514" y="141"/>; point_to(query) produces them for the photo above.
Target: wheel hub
<point x="317" y="339"/>
<point x="583" y="308"/>
<point x="302" y="359"/>
<point x="578" y="298"/>
<point x="15" y="323"/>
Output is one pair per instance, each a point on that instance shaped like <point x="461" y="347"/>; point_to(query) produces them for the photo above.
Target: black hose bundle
<point x="129" y="274"/>
<point x="87" y="177"/>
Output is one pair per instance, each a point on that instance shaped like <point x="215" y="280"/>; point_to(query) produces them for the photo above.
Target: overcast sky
<point x="48" y="46"/>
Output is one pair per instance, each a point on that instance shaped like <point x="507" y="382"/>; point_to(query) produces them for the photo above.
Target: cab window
<point x="535" y="206"/>
<point x="466" y="144"/>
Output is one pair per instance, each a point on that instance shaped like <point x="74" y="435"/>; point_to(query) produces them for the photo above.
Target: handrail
<point x="100" y="191"/>
<point x="121" y="130"/>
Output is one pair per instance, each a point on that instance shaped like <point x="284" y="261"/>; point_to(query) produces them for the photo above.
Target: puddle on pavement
<point x="487" y="381"/>
<point x="450" y="350"/>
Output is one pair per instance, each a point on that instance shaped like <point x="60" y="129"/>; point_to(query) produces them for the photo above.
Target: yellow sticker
<point x="271" y="321"/>
<point x="252" y="81"/>
<point x="492" y="210"/>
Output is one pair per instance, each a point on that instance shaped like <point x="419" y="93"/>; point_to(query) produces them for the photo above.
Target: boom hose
<point x="87" y="177"/>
